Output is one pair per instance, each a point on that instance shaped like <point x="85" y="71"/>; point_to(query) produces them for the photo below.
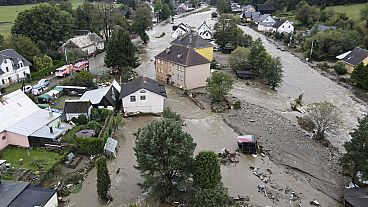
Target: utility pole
<point x="310" y="56"/>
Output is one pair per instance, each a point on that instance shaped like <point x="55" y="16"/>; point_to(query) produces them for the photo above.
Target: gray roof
<point x="279" y="23"/>
<point x="322" y="28"/>
<point x="111" y="144"/>
<point x="263" y="17"/>
<point x="77" y="106"/>
<point x="9" y="190"/>
<point x="84" y="41"/>
<point x="33" y="196"/>
<point x="142" y="83"/>
<point x="182" y="56"/>
<point x="357" y="197"/>
<point x="267" y="24"/>
<point x="13" y="55"/>
<point x="44" y="132"/>
<point x="356" y="56"/>
<point x="266" y="7"/>
<point x="255" y="16"/>
<point x="191" y="40"/>
<point x="95" y="96"/>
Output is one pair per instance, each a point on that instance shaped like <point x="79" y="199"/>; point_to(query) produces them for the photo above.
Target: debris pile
<point x="228" y="157"/>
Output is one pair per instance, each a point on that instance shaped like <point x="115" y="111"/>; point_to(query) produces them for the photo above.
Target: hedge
<point x="88" y="145"/>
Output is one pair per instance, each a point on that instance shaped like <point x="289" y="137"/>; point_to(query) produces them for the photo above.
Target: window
<point x="3" y="138"/>
<point x="132" y="98"/>
<point x="289" y="26"/>
<point x="24" y="73"/>
<point x="3" y="81"/>
<point x="5" y="61"/>
<point x="142" y="91"/>
<point x="7" y="69"/>
<point x="143" y="98"/>
<point x="21" y="64"/>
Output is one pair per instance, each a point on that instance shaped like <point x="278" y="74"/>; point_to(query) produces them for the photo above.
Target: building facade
<point x="13" y="67"/>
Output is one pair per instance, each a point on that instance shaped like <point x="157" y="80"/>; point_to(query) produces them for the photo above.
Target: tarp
<point x="110" y="147"/>
<point x="44" y="98"/>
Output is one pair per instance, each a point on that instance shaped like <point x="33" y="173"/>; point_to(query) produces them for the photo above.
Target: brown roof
<point x="182" y="56"/>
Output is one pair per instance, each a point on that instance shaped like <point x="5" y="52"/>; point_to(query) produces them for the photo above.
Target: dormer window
<point x="5" y="61"/>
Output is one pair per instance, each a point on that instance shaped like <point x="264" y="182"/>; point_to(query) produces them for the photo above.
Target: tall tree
<point x="239" y="59"/>
<point x="44" y="22"/>
<point x="207" y="171"/>
<point x="164" y="152"/>
<point x="273" y="72"/>
<point x="356" y="157"/>
<point x="223" y="6"/>
<point x="42" y="63"/>
<point x="120" y="52"/>
<point x="23" y="45"/>
<point x="364" y="15"/>
<point x="219" y="85"/>
<point x="103" y="178"/>
<point x="212" y="197"/>
<point x="142" y="20"/>
<point x="359" y="76"/>
<point x="227" y="31"/>
<point x="165" y="12"/>
<point x="256" y="56"/>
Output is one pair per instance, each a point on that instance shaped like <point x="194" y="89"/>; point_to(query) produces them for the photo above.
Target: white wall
<point x="269" y="19"/>
<point x="177" y="33"/>
<point x="263" y="28"/>
<point x="196" y="76"/>
<point x="287" y="27"/>
<point x="154" y="103"/>
<point x="15" y="75"/>
<point x="53" y="202"/>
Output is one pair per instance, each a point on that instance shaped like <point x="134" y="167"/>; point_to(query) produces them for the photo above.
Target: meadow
<point x="352" y="11"/>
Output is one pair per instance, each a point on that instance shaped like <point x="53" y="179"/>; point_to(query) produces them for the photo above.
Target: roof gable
<point x="191" y="40"/>
<point x="14" y="56"/>
<point x="96" y="95"/>
<point x="142" y="83"/>
<point x="204" y="26"/>
<point x="356" y="56"/>
<point x="182" y="56"/>
<point x="279" y="23"/>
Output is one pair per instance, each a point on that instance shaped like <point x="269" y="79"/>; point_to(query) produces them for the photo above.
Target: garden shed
<point x="110" y="147"/>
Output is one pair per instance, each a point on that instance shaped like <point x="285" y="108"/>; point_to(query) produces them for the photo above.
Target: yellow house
<point x="354" y="58"/>
<point x="197" y="43"/>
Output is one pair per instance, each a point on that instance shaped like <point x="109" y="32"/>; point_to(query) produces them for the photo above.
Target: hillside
<point x="352" y="11"/>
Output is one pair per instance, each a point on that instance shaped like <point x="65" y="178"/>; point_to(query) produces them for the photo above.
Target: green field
<point x="8" y="14"/>
<point x="352" y="11"/>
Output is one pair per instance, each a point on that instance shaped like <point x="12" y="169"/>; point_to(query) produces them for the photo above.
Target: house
<point x="75" y="108"/>
<point x="249" y="8"/>
<point x="142" y="95"/>
<point x="182" y="67"/>
<point x="355" y="197"/>
<point x="265" y="26"/>
<point x="182" y="8"/>
<point x="283" y="26"/>
<point x="13" y="67"/>
<point x="26" y="124"/>
<point x="204" y="27"/>
<point x="235" y="7"/>
<point x="104" y="97"/>
<point x="265" y="18"/>
<point x="87" y="44"/>
<point x="255" y="16"/>
<point x="354" y="58"/>
<point x="248" y="16"/>
<point x="197" y="43"/>
<point x="265" y="8"/>
<point x="181" y="29"/>
<point x="23" y="194"/>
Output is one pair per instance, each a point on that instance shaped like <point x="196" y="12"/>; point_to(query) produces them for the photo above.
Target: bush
<point x="88" y="146"/>
<point x="100" y="114"/>
<point x="306" y="123"/>
<point x="169" y="114"/>
<point x="237" y="104"/>
<point x="94" y="125"/>
<point x="340" y="68"/>
<point x="82" y="119"/>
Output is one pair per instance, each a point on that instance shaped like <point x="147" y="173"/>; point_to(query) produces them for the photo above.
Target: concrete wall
<point x="17" y="139"/>
<point x="206" y="52"/>
<point x="53" y="202"/>
<point x="153" y="102"/>
<point x="162" y="69"/>
<point x="177" y="75"/>
<point x="196" y="76"/>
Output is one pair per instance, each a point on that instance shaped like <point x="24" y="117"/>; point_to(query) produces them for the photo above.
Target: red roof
<point x="246" y="138"/>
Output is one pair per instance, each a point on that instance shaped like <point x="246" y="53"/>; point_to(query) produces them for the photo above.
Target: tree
<point x="23" y="45"/>
<point x="227" y="31"/>
<point x="223" y="6"/>
<point x="169" y="114"/>
<point x="219" y="86"/>
<point x="44" y="22"/>
<point x="83" y="78"/>
<point x="356" y="157"/>
<point x="42" y="62"/>
<point x="120" y="52"/>
<point x="306" y="14"/>
<point x="164" y="152"/>
<point x="340" y="68"/>
<point x="257" y="55"/>
<point x="1" y="41"/>
<point x="364" y="15"/>
<point x="212" y="197"/>
<point x="238" y="59"/>
<point x="165" y="12"/>
<point x="359" y="76"/>
<point x="324" y="116"/>
<point x="103" y="178"/>
<point x="273" y="73"/>
<point x="142" y="19"/>
<point x="207" y="172"/>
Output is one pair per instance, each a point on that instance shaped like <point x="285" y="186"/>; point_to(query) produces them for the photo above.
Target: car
<point x="43" y="82"/>
<point x="38" y="89"/>
<point x="27" y="89"/>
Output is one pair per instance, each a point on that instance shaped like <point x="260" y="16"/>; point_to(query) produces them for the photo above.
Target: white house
<point x="142" y="95"/>
<point x="205" y="31"/>
<point x="180" y="30"/>
<point x="265" y="26"/>
<point x="266" y="18"/>
<point x="13" y="67"/>
<point x="283" y="26"/>
<point x="88" y="44"/>
<point x="75" y="108"/>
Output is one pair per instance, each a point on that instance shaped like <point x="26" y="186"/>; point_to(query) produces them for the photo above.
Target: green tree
<point x="257" y="55"/>
<point x="356" y="157"/>
<point x="103" y="178"/>
<point x="158" y="6"/>
<point x="23" y="45"/>
<point x="83" y="78"/>
<point x="163" y="151"/>
<point x="42" y="62"/>
<point x="212" y="197"/>
<point x="364" y="15"/>
<point x="142" y="19"/>
<point x="238" y="59"/>
<point x="227" y="31"/>
<point x="273" y="73"/>
<point x="207" y="172"/>
<point x="219" y="85"/>
<point x="169" y="114"/>
<point x="44" y="22"/>
<point x="340" y="68"/>
<point x="306" y="14"/>
<point x="165" y="12"/>
<point x="120" y="52"/>
<point x="1" y="41"/>
<point x="223" y="6"/>
<point x="359" y="76"/>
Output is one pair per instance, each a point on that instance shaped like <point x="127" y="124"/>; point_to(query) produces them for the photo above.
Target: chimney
<point x="51" y="130"/>
<point x="167" y="50"/>
<point x="50" y="113"/>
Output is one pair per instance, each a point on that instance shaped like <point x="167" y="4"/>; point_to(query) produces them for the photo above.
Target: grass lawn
<point x="16" y="86"/>
<point x="352" y="11"/>
<point x="60" y="102"/>
<point x="13" y="154"/>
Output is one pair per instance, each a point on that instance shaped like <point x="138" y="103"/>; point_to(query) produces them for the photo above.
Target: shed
<point x="248" y="144"/>
<point x="110" y="147"/>
<point x="245" y="74"/>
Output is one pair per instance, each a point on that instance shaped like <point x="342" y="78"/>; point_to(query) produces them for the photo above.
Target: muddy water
<point x="300" y="78"/>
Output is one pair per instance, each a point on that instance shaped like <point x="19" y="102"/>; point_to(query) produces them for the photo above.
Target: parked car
<point x="63" y="71"/>
<point x="27" y="89"/>
<point x="43" y="82"/>
<point x="38" y="89"/>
